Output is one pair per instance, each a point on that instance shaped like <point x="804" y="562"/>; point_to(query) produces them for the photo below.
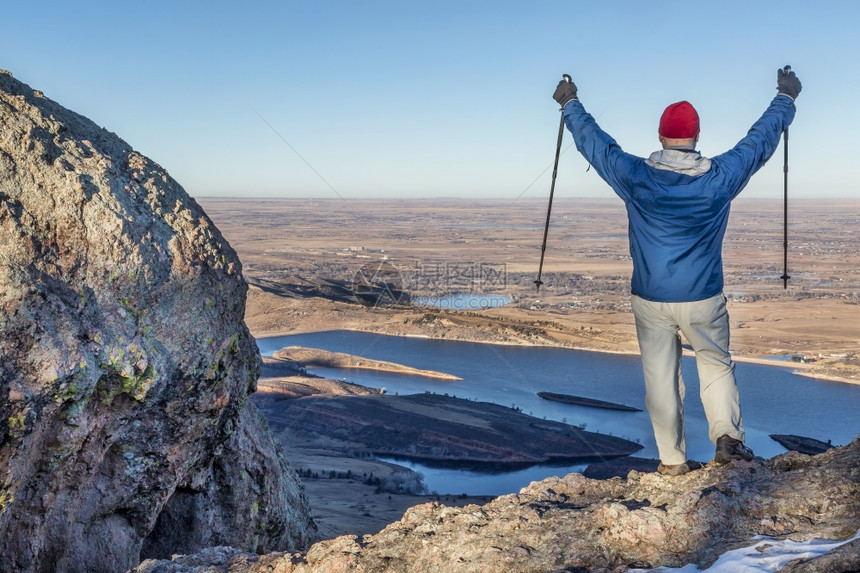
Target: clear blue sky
<point x="436" y="98"/>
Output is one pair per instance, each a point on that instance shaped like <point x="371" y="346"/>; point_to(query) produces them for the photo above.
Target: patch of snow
<point x="766" y="556"/>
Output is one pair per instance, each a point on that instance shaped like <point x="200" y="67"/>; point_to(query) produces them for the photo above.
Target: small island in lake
<point x="590" y="402"/>
<point x="802" y="444"/>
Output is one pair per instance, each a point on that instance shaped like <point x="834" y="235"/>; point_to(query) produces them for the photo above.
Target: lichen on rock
<point x="125" y="362"/>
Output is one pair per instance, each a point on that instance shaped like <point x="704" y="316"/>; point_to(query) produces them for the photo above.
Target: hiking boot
<point x="729" y="449"/>
<point x="678" y="469"/>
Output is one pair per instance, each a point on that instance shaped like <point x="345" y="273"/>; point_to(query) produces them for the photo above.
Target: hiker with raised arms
<point x="678" y="207"/>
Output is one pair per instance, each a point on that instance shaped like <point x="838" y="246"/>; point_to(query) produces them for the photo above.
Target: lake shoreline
<point x="800" y="368"/>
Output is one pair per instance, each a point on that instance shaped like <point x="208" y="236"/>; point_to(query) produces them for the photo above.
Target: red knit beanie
<point x="679" y="121"/>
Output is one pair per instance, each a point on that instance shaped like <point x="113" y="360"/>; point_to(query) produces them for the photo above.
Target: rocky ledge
<point x="578" y="524"/>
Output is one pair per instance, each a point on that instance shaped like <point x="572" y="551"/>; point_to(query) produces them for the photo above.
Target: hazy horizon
<point x="385" y="98"/>
<point x="508" y="200"/>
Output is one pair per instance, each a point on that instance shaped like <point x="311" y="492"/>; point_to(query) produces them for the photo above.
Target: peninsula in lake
<point x="433" y="428"/>
<point x="317" y="357"/>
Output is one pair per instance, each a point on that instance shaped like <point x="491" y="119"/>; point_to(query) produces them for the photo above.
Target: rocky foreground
<point x="125" y="363"/>
<point x="578" y="524"/>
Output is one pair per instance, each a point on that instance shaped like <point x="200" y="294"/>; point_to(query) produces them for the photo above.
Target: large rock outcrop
<point x="125" y="363"/>
<point x="578" y="524"/>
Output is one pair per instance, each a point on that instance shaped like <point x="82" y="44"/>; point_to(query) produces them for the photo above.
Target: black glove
<point x="565" y="92"/>
<point x="787" y="83"/>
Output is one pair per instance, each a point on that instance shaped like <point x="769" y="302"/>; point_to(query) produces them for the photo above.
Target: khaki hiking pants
<point x="705" y="325"/>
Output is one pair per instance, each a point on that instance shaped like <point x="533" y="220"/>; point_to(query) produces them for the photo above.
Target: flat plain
<point x="308" y="259"/>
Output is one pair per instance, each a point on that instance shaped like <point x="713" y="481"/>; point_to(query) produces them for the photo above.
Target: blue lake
<point x="774" y="400"/>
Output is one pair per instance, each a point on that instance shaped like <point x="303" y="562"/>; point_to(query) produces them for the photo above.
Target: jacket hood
<point x="687" y="162"/>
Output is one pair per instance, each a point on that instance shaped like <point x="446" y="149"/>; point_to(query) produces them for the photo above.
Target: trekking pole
<point x="785" y="276"/>
<point x="539" y="282"/>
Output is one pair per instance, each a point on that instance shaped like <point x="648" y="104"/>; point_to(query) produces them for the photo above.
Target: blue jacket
<point x="677" y="201"/>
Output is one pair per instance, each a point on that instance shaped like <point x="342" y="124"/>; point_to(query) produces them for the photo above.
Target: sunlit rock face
<point x="125" y="363"/>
